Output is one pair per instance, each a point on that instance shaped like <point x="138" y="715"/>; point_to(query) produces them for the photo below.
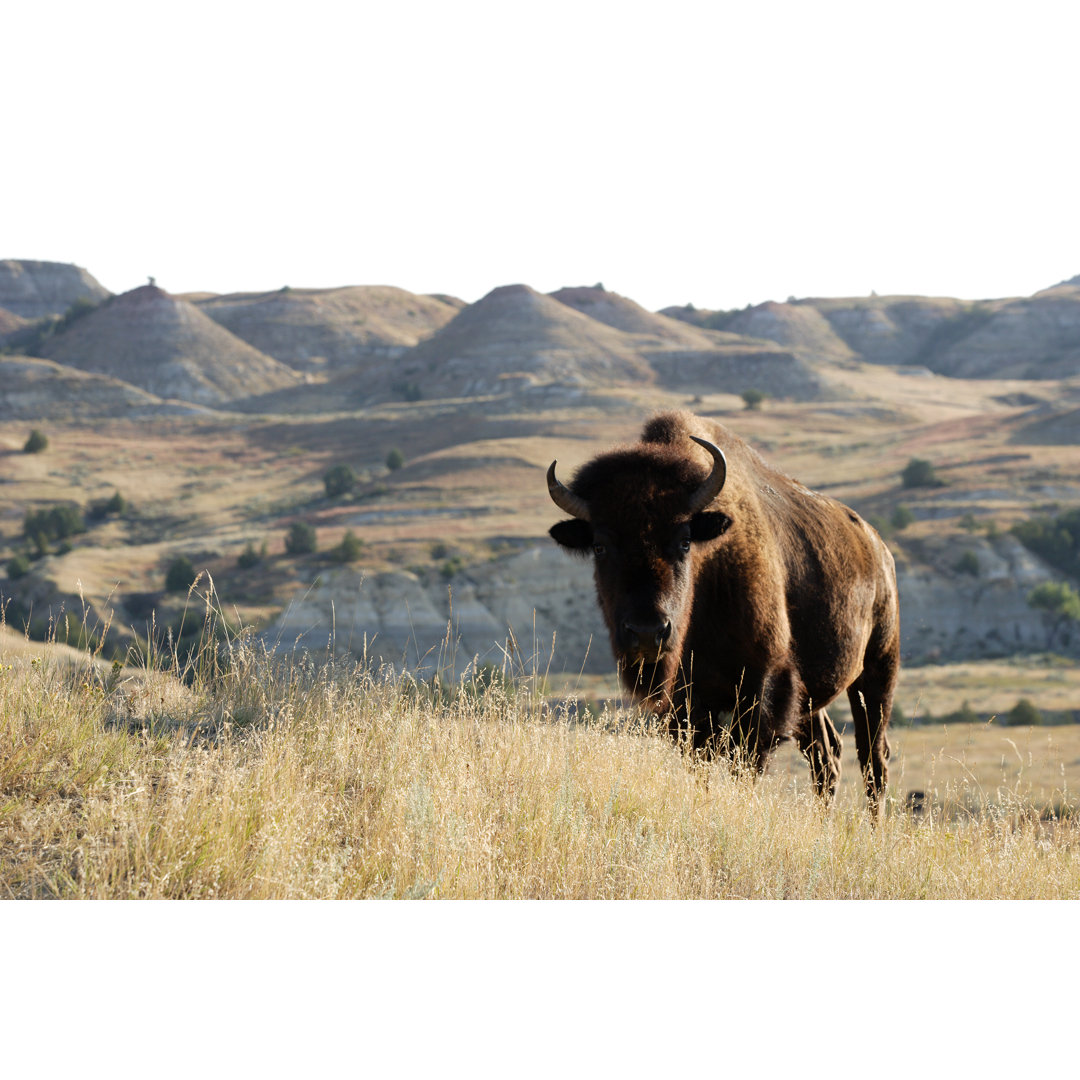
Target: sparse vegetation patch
<point x="36" y="442"/>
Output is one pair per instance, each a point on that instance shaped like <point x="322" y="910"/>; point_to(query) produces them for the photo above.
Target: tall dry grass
<point x="286" y="779"/>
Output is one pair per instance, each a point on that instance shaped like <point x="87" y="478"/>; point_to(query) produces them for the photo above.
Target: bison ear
<point x="708" y="526"/>
<point x="574" y="534"/>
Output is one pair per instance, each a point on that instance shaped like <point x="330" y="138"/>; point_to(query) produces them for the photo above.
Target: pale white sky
<point x="718" y="153"/>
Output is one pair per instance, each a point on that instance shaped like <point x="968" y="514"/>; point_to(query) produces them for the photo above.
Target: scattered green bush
<point x="350" y="548"/>
<point x="104" y="508"/>
<point x="1059" y="603"/>
<point x="75" y="311"/>
<point x="180" y="575"/>
<point x="37" y="442"/>
<point x="53" y="523"/>
<point x="18" y="566"/>
<point x="1024" y="713"/>
<point x="249" y="557"/>
<point x="968" y="563"/>
<point x="300" y="539"/>
<point x="752" y="399"/>
<point x="338" y="480"/>
<point x="920" y="473"/>
<point x="395" y="459"/>
<point x="1055" y="539"/>
<point x="902" y="517"/>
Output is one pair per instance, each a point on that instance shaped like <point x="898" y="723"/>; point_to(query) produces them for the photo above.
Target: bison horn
<point x="565" y="499"/>
<point x="714" y="482"/>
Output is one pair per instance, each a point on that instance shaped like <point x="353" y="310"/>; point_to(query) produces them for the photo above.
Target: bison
<point x="740" y="603"/>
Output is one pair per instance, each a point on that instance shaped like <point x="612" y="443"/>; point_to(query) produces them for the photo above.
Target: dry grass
<point x="287" y="780"/>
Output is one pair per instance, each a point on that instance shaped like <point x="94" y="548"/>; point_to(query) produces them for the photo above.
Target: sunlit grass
<point x="238" y="775"/>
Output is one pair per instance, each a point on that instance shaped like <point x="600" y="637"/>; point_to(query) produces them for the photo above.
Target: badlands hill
<point x="33" y="290"/>
<point x="517" y="339"/>
<point x="332" y="329"/>
<point x="1036" y="337"/>
<point x="168" y="347"/>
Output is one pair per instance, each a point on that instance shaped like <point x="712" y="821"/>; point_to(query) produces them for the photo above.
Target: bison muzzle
<point x="739" y="603"/>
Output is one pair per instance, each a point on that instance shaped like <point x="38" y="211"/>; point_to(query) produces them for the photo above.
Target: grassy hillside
<point x="277" y="779"/>
<point x="248" y="778"/>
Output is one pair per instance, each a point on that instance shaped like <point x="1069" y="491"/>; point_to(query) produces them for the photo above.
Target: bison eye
<point x="684" y="546"/>
<point x="599" y="550"/>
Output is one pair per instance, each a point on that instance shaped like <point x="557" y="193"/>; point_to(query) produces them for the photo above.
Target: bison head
<point x="641" y="512"/>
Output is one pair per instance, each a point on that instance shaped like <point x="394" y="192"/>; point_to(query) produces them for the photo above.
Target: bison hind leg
<point x="820" y="743"/>
<point x="871" y="705"/>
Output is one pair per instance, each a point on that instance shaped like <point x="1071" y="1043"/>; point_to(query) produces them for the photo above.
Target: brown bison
<point x="739" y="602"/>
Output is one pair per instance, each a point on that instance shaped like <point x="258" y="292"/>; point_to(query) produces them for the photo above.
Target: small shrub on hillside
<point x="902" y="517"/>
<point x="180" y="575"/>
<point x="1059" y="603"/>
<point x="54" y="523"/>
<point x="920" y="473"/>
<point x="36" y="443"/>
<point x="338" y="480"/>
<point x="350" y="548"/>
<point x="968" y="563"/>
<point x="104" y="508"/>
<point x="300" y="539"/>
<point x="968" y="522"/>
<point x="1055" y="539"/>
<point x="249" y="557"/>
<point x="17" y="567"/>
<point x="75" y="311"/>
<point x="1023" y="714"/>
<point x="752" y="399"/>
<point x="395" y="459"/>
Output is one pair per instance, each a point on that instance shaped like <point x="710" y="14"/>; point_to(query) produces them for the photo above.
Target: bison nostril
<point x="647" y="634"/>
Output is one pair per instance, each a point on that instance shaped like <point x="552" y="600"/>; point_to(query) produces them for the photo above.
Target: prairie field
<point x="244" y="776"/>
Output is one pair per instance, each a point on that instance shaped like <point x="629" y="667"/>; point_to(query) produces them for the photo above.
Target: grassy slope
<point x="284" y="781"/>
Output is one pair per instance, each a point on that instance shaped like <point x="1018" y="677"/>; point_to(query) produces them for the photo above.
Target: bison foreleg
<point x="820" y="743"/>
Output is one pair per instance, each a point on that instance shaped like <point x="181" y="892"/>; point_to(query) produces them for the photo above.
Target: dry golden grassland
<point x="268" y="779"/>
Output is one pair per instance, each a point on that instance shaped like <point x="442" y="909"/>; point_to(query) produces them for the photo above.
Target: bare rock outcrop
<point x="536" y="608"/>
<point x="33" y="289"/>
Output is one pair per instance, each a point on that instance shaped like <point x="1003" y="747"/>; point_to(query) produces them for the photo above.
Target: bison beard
<point x="740" y="604"/>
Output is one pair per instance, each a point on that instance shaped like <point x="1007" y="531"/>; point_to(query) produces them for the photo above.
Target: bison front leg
<point x="766" y="714"/>
<point x="871" y="704"/>
<point x="820" y="743"/>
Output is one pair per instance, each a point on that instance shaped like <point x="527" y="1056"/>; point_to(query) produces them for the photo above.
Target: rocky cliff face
<point x="1024" y="339"/>
<point x="33" y="290"/>
<point x="537" y="605"/>
<point x="545" y="602"/>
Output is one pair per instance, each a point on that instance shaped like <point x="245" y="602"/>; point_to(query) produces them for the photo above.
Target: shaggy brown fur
<point x="744" y="621"/>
